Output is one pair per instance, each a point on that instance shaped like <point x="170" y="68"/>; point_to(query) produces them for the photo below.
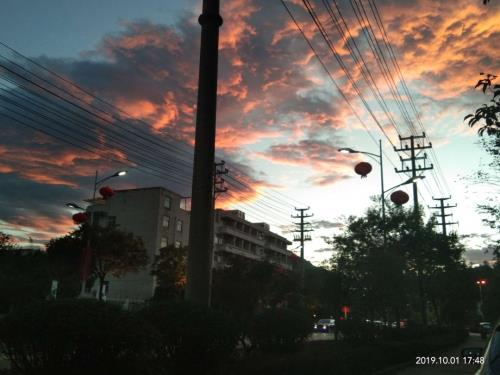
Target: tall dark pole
<point x="382" y="196"/>
<point x="302" y="228"/>
<point x="200" y="231"/>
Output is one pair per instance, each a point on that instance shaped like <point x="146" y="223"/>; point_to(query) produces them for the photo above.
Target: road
<point x="474" y="340"/>
<point x="321" y="336"/>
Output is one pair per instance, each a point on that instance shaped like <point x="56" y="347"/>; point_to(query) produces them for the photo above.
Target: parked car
<point x="485" y="329"/>
<point x="324" y="325"/>
<point x="489" y="358"/>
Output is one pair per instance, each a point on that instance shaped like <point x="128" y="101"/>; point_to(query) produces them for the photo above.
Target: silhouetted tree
<point x="115" y="253"/>
<point x="6" y="242"/>
<point x="170" y="269"/>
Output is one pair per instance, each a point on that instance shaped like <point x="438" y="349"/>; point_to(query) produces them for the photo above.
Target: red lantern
<point x="80" y="218"/>
<point x="399" y="197"/>
<point x="363" y="168"/>
<point x="106" y="192"/>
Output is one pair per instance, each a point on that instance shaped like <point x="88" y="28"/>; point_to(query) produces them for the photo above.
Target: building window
<point x="163" y="242"/>
<point x="167" y="203"/>
<point x="178" y="244"/>
<point x="179" y="225"/>
<point x="166" y="221"/>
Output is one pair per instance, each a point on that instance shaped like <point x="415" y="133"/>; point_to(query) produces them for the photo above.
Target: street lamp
<point x="74" y="206"/>
<point x="409" y="181"/>
<point x="98" y="182"/>
<point x="480" y="283"/>
<point x="379" y="159"/>
<point x="87" y="250"/>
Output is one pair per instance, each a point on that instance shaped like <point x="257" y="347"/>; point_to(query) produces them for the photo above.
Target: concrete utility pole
<point x="443" y="215"/>
<point x="414" y="150"/>
<point x="413" y="158"/>
<point x="302" y="228"/>
<point x="200" y="232"/>
<point x="219" y="182"/>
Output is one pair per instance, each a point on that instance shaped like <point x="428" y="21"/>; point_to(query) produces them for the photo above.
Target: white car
<point x="324" y="325"/>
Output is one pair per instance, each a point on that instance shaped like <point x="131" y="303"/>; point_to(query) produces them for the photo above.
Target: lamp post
<point x="380" y="161"/>
<point x="87" y="251"/>
<point x="480" y="283"/>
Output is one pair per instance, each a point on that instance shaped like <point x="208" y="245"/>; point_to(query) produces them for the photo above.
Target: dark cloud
<point x="326" y="224"/>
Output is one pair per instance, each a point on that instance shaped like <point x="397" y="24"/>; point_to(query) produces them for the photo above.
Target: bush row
<point x="77" y="337"/>
<point x="347" y="357"/>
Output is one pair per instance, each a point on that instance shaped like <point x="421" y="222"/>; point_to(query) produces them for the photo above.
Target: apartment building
<point x="155" y="214"/>
<point x="160" y="217"/>
<point x="234" y="235"/>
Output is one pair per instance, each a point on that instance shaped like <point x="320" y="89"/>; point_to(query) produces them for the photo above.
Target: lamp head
<point x="347" y="150"/>
<point x="74" y="206"/>
<point x="121" y="173"/>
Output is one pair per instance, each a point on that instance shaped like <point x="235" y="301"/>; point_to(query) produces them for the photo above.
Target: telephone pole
<point x="413" y="151"/>
<point x="413" y="147"/>
<point x="219" y="182"/>
<point x="201" y="227"/>
<point x="302" y="228"/>
<point x="218" y="188"/>
<point x="443" y="215"/>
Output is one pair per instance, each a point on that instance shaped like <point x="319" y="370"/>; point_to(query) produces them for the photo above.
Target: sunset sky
<point x="280" y="120"/>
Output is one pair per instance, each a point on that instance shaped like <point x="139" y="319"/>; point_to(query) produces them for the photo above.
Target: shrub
<point x="74" y="337"/>
<point x="355" y="330"/>
<point x="193" y="339"/>
<point x="279" y="329"/>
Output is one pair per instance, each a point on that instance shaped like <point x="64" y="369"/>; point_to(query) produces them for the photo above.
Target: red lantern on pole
<point x="399" y="197"/>
<point x="106" y="192"/>
<point x="80" y="218"/>
<point x="363" y="168"/>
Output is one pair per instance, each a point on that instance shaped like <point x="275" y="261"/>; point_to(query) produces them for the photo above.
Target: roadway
<point x="474" y="340"/>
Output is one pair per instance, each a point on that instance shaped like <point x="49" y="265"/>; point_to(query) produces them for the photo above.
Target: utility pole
<point x="414" y="150"/>
<point x="218" y="188"/>
<point x="219" y="182"/>
<point x="302" y="228"/>
<point x="443" y="215"/>
<point x="201" y="226"/>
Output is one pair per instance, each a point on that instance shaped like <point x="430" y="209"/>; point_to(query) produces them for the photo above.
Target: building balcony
<point x="276" y="248"/>
<point x="238" y="251"/>
<point x="239" y="234"/>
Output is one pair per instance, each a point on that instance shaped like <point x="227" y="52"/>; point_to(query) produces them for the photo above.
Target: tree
<point x="399" y="277"/>
<point x="115" y="253"/>
<point x="6" y="242"/>
<point x="247" y="287"/>
<point x="64" y="256"/>
<point x="170" y="269"/>
<point x="488" y="115"/>
<point x="23" y="278"/>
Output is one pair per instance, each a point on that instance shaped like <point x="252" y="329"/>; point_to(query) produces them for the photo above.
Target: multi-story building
<point x="160" y="217"/>
<point x="154" y="214"/>
<point x="234" y="235"/>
